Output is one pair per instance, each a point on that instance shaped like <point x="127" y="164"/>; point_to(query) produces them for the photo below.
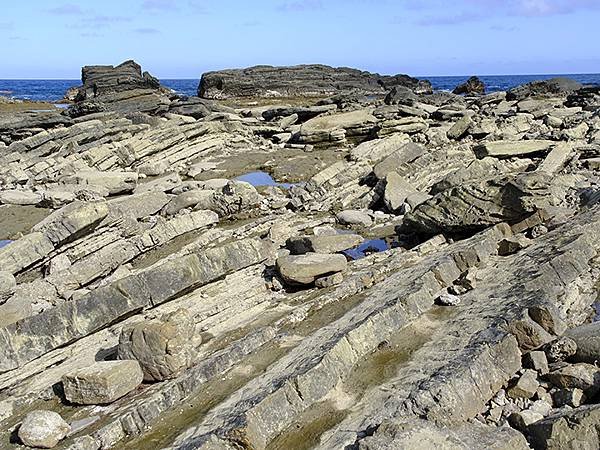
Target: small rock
<point x="446" y="299"/>
<point x="587" y="339"/>
<point x="560" y="349"/>
<point x="525" y="387"/>
<point x="43" y="429"/>
<point x="573" y="397"/>
<point x="537" y="361"/>
<point x="331" y="280"/>
<point x="323" y="244"/>
<point x="521" y="420"/>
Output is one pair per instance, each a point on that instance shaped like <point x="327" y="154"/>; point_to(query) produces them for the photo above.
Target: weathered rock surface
<point x="323" y="244"/>
<point x="43" y="429"/>
<point x="473" y="86"/>
<point x="577" y="428"/>
<point x="103" y="382"/>
<point x="546" y="87"/>
<point x="295" y="81"/>
<point x="304" y="269"/>
<point x="163" y="347"/>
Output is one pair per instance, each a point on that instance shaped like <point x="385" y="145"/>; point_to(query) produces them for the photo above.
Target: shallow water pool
<point x="262" y="179"/>
<point x="368" y="247"/>
<point x="4" y="242"/>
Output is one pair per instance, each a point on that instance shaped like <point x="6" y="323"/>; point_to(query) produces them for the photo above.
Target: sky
<point x="184" y="38"/>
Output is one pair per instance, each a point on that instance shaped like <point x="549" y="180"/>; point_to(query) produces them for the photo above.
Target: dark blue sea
<point x="53" y="90"/>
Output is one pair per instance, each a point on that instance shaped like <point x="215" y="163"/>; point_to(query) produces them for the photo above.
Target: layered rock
<point x="296" y="81"/>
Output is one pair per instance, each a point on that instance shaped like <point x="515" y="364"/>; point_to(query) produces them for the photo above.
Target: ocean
<point x="54" y="90"/>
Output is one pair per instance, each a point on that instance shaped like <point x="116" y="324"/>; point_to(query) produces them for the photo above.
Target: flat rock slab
<point x="505" y="149"/>
<point x="577" y="428"/>
<point x="304" y="269"/>
<point x="103" y="382"/>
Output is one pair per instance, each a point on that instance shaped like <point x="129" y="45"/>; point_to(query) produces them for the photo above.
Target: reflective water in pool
<point x="262" y="179"/>
<point x="370" y="246"/>
<point x="4" y="243"/>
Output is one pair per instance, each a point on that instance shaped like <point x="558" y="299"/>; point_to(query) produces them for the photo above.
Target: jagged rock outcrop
<point x="553" y="86"/>
<point x="296" y="81"/>
<point x="473" y="86"/>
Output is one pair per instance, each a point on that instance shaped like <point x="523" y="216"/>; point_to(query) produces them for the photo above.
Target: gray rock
<point x="305" y="269"/>
<point x="554" y="86"/>
<point x="460" y="128"/>
<point x="537" y="361"/>
<point x="397" y="189"/>
<point x="72" y="221"/>
<point x="522" y="419"/>
<point x="102" y="383"/>
<point x="323" y="244"/>
<point x="114" y="182"/>
<point x="473" y="86"/>
<point x="404" y="155"/>
<point x="14" y="197"/>
<point x="354" y="217"/>
<point x="295" y="81"/>
<point x="581" y="376"/>
<point x="8" y="285"/>
<point x="525" y="387"/>
<point x="506" y="149"/>
<point x="43" y="429"/>
<point x="448" y="300"/>
<point x="560" y="349"/>
<point x="329" y="281"/>
<point x="567" y="429"/>
<point x="573" y="397"/>
<point x="587" y="340"/>
<point x="163" y="347"/>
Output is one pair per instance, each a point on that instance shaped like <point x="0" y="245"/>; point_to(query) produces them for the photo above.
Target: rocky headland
<point x="373" y="265"/>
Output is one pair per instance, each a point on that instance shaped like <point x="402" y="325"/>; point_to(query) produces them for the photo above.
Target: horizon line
<point x="414" y="76"/>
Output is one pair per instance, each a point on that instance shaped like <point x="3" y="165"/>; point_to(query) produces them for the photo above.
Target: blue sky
<point x="183" y="38"/>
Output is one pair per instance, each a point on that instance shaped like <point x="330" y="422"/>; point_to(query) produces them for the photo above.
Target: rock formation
<point x="414" y="272"/>
<point x="297" y="81"/>
<point x="473" y="86"/>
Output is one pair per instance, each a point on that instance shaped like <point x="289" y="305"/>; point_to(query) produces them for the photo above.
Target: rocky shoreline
<point x="409" y="268"/>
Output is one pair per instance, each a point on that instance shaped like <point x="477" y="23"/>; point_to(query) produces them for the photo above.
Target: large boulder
<point x="587" y="338"/>
<point x="163" y="347"/>
<point x="305" y="269"/>
<point x="296" y="81"/>
<point x="553" y="86"/>
<point x="102" y="383"/>
<point x="43" y="429"/>
<point x="473" y="86"/>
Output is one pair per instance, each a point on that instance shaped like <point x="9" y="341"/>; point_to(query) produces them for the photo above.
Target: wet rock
<point x="354" y="217"/>
<point x="587" y="341"/>
<point x="103" y="382"/>
<point x="163" y="347"/>
<point x="43" y="429"/>
<point x="305" y="269"/>
<point x="473" y="86"/>
<point x="525" y="387"/>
